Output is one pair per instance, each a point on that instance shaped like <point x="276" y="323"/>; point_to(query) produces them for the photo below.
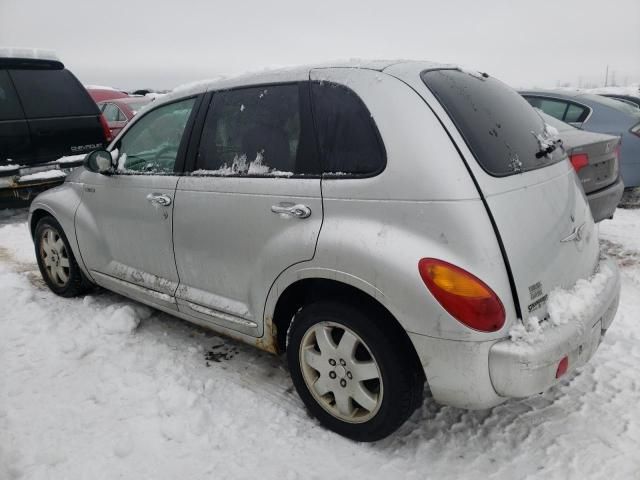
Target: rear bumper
<point x="518" y="369"/>
<point x="19" y="186"/>
<point x="603" y="203"/>
<point x="475" y="375"/>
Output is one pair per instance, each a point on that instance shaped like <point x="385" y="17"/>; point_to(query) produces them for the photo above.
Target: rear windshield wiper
<point x="543" y="152"/>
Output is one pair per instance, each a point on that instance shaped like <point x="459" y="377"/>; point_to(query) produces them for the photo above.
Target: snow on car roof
<point x="288" y="74"/>
<point x="29" y="54"/>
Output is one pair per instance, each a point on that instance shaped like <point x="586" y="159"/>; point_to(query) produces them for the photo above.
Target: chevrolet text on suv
<point x="385" y="224"/>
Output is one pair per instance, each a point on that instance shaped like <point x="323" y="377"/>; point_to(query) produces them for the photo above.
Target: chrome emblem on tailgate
<point x="575" y="235"/>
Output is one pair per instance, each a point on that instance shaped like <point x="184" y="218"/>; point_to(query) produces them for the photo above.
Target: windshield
<point x="505" y="134"/>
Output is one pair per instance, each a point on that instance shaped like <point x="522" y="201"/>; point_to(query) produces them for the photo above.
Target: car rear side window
<point x="112" y="113"/>
<point x="576" y="113"/>
<point x="555" y="108"/>
<point x="9" y="104"/>
<point x="52" y="93"/>
<point x="348" y="139"/>
<point x="263" y="130"/>
<point x="504" y="132"/>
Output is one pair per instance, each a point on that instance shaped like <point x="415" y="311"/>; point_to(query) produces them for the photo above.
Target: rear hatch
<point x="62" y="118"/>
<point x="534" y="197"/>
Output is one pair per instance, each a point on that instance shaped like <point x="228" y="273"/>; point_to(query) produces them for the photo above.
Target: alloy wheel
<point x="341" y="372"/>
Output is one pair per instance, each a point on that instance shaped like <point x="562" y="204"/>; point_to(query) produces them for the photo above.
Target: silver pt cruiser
<point x="385" y="224"/>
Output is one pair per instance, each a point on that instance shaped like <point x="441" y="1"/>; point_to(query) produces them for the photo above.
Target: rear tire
<point x="351" y="372"/>
<point x="56" y="262"/>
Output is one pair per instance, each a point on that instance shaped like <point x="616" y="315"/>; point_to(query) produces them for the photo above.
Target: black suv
<point x="45" y="114"/>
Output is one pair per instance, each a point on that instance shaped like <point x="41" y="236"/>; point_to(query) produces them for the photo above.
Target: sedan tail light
<point x="579" y="161"/>
<point x="467" y="298"/>
<point x="105" y="129"/>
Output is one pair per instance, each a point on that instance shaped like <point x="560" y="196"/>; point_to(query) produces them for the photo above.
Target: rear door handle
<point x="293" y="210"/>
<point x="159" y="199"/>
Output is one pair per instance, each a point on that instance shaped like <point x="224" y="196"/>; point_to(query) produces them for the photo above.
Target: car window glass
<point x="347" y="136"/>
<point x="504" y="133"/>
<point x="52" y="93"/>
<point x="9" y="103"/>
<point x="111" y="112"/>
<point x="151" y="145"/>
<point x="555" y="108"/>
<point x="258" y="131"/>
<point x="575" y="113"/>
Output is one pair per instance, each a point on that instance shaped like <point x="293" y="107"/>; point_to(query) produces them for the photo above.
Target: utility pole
<point x="606" y="76"/>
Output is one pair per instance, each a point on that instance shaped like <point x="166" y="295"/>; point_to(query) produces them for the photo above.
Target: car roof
<point x="560" y="93"/>
<point x="29" y="58"/>
<point x="292" y="74"/>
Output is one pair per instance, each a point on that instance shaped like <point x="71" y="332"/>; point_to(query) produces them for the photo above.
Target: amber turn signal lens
<point x="467" y="298"/>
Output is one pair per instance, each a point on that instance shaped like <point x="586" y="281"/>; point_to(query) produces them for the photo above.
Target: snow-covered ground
<point x="103" y="388"/>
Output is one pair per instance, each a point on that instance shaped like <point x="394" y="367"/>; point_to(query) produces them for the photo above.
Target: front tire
<point x="56" y="262"/>
<point x="351" y="372"/>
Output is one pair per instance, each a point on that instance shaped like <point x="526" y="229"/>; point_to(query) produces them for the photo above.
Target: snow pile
<point x="564" y="306"/>
<point x="121" y="319"/>
<point x="240" y="166"/>
<point x="16" y="244"/>
<point x="632" y="90"/>
<point x="84" y="393"/>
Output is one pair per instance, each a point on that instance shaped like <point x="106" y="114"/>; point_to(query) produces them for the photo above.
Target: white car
<point x="385" y="224"/>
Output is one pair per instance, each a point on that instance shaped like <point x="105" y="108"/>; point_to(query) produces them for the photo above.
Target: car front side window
<point x="151" y="145"/>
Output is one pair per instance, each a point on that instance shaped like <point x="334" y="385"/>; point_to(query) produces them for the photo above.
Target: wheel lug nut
<point x="332" y="374"/>
<point x="342" y="362"/>
<point x="332" y="362"/>
<point x="349" y="376"/>
<point x="343" y="383"/>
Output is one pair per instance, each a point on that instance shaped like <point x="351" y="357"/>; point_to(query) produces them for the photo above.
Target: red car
<point x="119" y="111"/>
<point x="101" y="94"/>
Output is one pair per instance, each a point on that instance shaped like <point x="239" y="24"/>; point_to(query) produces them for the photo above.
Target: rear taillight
<point x="579" y="161"/>
<point x="563" y="366"/>
<point x="636" y="130"/>
<point x="466" y="297"/>
<point x="105" y="129"/>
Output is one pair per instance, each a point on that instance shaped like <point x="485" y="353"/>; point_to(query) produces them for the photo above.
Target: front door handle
<point x="293" y="210"/>
<point x="159" y="199"/>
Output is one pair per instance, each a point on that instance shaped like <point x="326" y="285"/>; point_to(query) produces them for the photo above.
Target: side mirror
<point x="99" y="161"/>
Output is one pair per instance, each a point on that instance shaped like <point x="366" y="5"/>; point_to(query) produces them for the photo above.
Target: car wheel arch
<point x="305" y="291"/>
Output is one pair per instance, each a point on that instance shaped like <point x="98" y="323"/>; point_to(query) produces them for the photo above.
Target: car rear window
<point x="9" y="104"/>
<point x="505" y="134"/>
<point x="52" y="93"/>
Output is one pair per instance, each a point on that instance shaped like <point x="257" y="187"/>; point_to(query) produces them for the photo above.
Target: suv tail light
<point x="579" y="161"/>
<point x="105" y="129"/>
<point x="467" y="298"/>
<point x="636" y="129"/>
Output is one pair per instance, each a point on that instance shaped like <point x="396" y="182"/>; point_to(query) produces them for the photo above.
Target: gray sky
<point x="162" y="43"/>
